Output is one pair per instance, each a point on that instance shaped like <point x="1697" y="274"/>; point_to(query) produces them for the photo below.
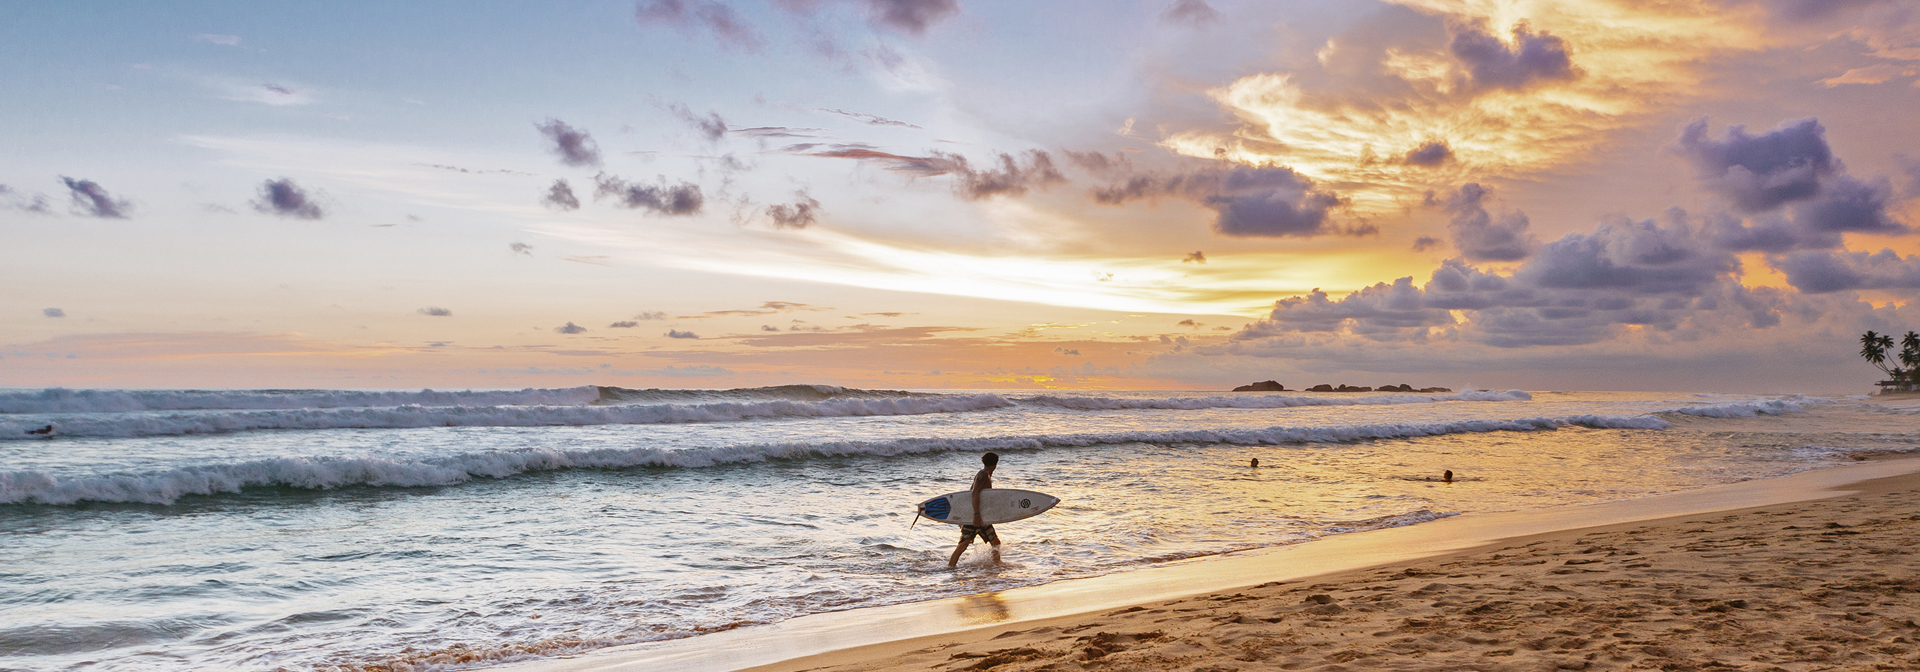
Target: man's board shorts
<point x="967" y="533"/>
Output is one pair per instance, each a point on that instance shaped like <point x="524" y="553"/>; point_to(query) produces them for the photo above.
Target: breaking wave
<point x="127" y="414"/>
<point x="1745" y="410"/>
<point x="62" y="400"/>
<point x="1265" y="401"/>
<point x="324" y="473"/>
<point x="400" y="417"/>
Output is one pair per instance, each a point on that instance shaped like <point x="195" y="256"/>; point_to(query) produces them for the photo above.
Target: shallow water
<point x="304" y="530"/>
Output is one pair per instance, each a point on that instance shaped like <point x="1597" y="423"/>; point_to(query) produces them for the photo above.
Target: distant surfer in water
<point x="981" y="481"/>
<point x="43" y="431"/>
<point x="1256" y="463"/>
<point x="1448" y="477"/>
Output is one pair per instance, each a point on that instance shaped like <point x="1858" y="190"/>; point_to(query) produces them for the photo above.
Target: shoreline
<point x="874" y="633"/>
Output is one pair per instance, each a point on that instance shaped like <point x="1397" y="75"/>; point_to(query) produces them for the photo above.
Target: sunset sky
<point x="1583" y="194"/>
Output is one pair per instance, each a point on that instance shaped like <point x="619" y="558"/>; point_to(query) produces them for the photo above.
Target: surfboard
<point x="997" y="506"/>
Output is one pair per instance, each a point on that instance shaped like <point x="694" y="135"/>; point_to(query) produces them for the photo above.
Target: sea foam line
<point x="128" y="425"/>
<point x="62" y="400"/>
<point x="1263" y="401"/>
<point x="323" y="473"/>
<point x="1746" y="409"/>
<point x="402" y="417"/>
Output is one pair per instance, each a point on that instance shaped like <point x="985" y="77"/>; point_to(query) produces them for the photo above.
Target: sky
<point x="1694" y="195"/>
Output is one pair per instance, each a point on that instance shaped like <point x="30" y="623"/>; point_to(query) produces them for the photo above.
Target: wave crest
<point x="62" y="400"/>
<point x="324" y="473"/>
<point x="1745" y="409"/>
<point x="1264" y="401"/>
<point x="400" y="417"/>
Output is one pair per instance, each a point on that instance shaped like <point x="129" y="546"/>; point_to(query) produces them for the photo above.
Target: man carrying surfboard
<point x="981" y="481"/>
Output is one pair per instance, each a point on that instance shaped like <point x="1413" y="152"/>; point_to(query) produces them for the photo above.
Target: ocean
<point x="393" y="530"/>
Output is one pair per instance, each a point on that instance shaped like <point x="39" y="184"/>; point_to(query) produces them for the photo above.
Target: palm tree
<point x="1910" y="356"/>
<point x="1873" y="348"/>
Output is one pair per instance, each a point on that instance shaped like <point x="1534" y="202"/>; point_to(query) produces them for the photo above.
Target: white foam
<point x="62" y="400"/>
<point x="212" y="422"/>
<point x="1264" y="401"/>
<point x="1383" y="522"/>
<point x="335" y="472"/>
<point x="1746" y="409"/>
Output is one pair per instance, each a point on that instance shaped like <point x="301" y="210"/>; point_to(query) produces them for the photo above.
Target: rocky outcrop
<point x="1262" y="386"/>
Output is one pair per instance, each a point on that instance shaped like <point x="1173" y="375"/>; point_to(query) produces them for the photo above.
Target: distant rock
<point x="1403" y="387"/>
<point x="1349" y="388"/>
<point x="1323" y="387"/>
<point x="1435" y="389"/>
<point x="1262" y="386"/>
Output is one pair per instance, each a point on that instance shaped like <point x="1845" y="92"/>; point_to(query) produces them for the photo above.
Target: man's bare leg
<point x="996" y="552"/>
<point x="962" y="548"/>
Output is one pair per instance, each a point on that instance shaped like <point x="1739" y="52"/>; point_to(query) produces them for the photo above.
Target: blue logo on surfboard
<point x="997" y="506"/>
<point x="937" y="508"/>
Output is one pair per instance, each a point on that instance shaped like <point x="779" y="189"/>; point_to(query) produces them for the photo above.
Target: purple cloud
<point x="803" y="212"/>
<point x="1429" y="155"/>
<point x="574" y="146"/>
<point x="716" y="18"/>
<point x="679" y="200"/>
<point x="1479" y="237"/>
<point x="92" y="200"/>
<point x="560" y="196"/>
<point x="1796" y="192"/>
<point x="1819" y="272"/>
<point x="285" y="199"/>
<point x="1759" y="173"/>
<point x="1491" y="64"/>
<point x="1268" y="201"/>
<point x="1190" y="12"/>
<point x="711" y="126"/>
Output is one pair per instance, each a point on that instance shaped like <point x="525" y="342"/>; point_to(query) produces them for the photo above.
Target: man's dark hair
<point x="990" y="459"/>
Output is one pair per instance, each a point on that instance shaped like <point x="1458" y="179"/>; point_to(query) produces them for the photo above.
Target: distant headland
<point x="1275" y="386"/>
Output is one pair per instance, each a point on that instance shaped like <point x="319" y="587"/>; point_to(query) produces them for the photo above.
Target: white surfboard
<point x="996" y="506"/>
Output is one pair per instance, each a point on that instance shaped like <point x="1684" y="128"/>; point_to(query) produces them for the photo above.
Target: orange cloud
<point x="1382" y="144"/>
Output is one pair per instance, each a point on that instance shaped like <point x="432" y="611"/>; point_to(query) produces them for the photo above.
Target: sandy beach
<point x="1809" y="585"/>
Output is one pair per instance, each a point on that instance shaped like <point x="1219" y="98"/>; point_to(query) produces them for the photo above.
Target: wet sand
<point x="1825" y="584"/>
<point x="1807" y="580"/>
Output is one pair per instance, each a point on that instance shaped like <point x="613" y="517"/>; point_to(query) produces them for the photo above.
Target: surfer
<point x="1448" y="477"/>
<point x="1256" y="463"/>
<point x="43" y="431"/>
<point x="981" y="481"/>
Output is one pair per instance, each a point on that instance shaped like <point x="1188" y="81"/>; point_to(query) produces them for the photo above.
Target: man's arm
<point x="977" y="487"/>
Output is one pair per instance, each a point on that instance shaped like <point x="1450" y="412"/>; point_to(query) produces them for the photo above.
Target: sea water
<point x="311" y="529"/>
